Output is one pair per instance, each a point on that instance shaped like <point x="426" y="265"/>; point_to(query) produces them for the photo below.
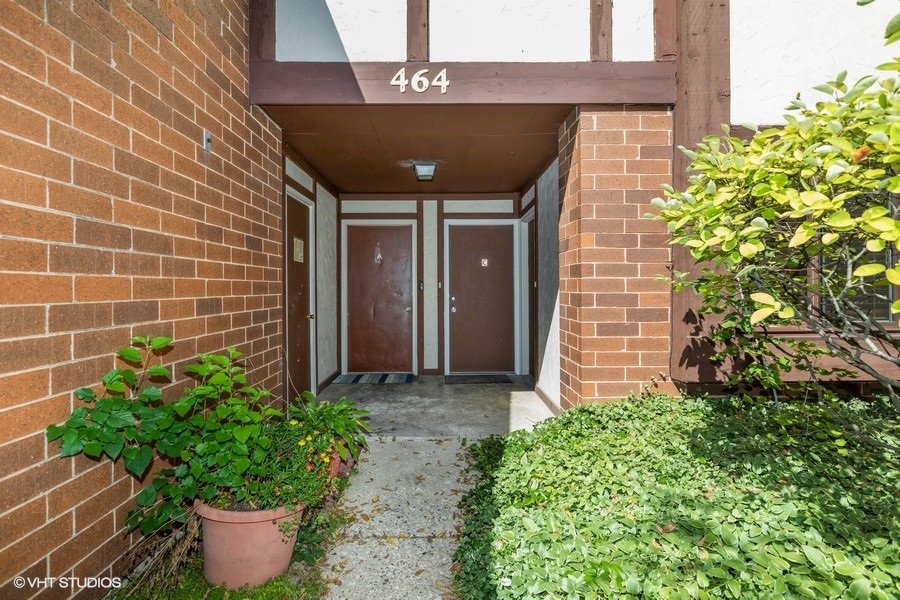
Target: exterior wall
<point x="547" y="378"/>
<point x="115" y="222"/>
<point x="506" y="30"/>
<point x="632" y="30"/>
<point x="771" y="63"/>
<point x="339" y="31"/>
<point x="614" y="313"/>
<point x="327" y="354"/>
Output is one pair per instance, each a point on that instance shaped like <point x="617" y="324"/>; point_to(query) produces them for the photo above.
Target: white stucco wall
<point x="782" y="47"/>
<point x="548" y="283"/>
<point x="509" y="30"/>
<point x="326" y="284"/>
<point x="340" y="30"/>
<point x="632" y="30"/>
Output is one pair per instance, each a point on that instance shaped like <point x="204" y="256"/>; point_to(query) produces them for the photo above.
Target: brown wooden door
<point x="297" y="291"/>
<point x="379" y="298"/>
<point x="481" y="318"/>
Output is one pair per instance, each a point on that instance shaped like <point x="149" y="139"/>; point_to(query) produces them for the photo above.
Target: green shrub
<point x="697" y="498"/>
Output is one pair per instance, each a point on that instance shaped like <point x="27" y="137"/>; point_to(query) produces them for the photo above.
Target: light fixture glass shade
<point x="424" y="169"/>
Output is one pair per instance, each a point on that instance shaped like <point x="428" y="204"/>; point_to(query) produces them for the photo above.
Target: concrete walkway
<point x="406" y="488"/>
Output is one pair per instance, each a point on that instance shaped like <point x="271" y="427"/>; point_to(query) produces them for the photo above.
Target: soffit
<point x="369" y="148"/>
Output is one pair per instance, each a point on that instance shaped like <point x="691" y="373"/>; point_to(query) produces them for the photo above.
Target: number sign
<point x="420" y="82"/>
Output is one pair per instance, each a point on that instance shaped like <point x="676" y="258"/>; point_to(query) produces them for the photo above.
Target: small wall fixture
<point x="424" y="169"/>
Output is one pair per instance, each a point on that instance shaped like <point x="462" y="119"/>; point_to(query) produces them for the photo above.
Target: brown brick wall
<point x="115" y="222"/>
<point x="614" y="313"/>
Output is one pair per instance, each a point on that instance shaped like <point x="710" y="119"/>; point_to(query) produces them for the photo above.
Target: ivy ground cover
<point x="656" y="497"/>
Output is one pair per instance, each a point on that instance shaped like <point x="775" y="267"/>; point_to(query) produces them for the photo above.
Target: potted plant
<point x="340" y="426"/>
<point x="232" y="456"/>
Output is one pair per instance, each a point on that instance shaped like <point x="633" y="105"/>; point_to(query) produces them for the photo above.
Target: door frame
<point x="517" y="285"/>
<point x="527" y="327"/>
<point x="413" y="224"/>
<point x="294" y="194"/>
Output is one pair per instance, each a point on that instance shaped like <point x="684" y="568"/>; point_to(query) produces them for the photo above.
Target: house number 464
<point x="420" y="82"/>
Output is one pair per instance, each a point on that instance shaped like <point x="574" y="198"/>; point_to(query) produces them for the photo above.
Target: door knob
<point x="452" y="309"/>
<point x="409" y="309"/>
<point x="310" y="317"/>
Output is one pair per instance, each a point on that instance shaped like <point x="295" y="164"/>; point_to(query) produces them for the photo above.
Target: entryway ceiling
<point x="478" y="148"/>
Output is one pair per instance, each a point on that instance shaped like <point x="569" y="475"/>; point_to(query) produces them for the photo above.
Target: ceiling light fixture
<point x="424" y="169"/>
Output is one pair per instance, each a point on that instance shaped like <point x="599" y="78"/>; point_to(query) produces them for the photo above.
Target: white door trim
<point x="517" y="295"/>
<point x="525" y="293"/>
<point x="297" y="195"/>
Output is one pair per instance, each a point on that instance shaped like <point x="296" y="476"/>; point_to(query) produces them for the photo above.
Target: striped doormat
<point x="376" y="378"/>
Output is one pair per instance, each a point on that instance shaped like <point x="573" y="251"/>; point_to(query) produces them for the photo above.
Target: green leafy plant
<point x="225" y="444"/>
<point x="657" y="497"/>
<point x="799" y="227"/>
<point x="338" y="423"/>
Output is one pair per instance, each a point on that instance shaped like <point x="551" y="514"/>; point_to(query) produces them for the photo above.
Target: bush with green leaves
<point x="225" y="444"/>
<point x="656" y="497"/>
<point x="799" y="227"/>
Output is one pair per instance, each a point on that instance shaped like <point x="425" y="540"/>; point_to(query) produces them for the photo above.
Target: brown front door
<point x="297" y="284"/>
<point x="379" y="298"/>
<point x="481" y="298"/>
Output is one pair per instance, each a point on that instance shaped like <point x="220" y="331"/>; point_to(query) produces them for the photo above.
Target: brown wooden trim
<point x="441" y="197"/>
<point x="418" y="290"/>
<point x="441" y="217"/>
<point x="703" y="87"/>
<point x="287" y="83"/>
<point x="262" y="30"/>
<point x="417" y="30"/>
<point x="664" y="30"/>
<point x="601" y="30"/>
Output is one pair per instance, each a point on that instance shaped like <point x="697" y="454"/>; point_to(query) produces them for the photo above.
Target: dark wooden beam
<point x="262" y="29"/>
<point x="601" y="30"/>
<point x="295" y="83"/>
<point x="417" y="30"/>
<point x="703" y="86"/>
<point x="664" y="30"/>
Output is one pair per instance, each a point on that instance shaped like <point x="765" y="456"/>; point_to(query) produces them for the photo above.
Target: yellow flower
<point x="294" y="421"/>
<point x="309" y="438"/>
<point x="301" y="443"/>
<point x="327" y="459"/>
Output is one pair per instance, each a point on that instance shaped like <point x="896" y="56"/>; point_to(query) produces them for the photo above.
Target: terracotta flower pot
<point x="245" y="547"/>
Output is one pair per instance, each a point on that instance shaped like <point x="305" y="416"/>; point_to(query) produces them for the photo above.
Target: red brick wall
<point x="614" y="313"/>
<point x="114" y="222"/>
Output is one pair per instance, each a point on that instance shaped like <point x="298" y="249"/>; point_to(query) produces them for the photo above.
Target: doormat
<point x="477" y="379"/>
<point x="376" y="378"/>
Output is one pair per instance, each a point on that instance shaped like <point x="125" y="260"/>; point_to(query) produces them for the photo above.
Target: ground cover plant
<point x="656" y="497"/>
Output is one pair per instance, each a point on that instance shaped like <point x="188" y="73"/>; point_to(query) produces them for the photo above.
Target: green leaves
<point x="137" y="459"/>
<point x="655" y="497"/>
<point x="212" y="432"/>
<point x="805" y="213"/>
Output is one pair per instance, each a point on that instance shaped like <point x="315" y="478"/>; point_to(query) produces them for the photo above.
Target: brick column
<point x="614" y="312"/>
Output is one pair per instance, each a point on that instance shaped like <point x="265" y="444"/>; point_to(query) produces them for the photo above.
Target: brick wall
<point x="114" y="222"/>
<point x="614" y="313"/>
